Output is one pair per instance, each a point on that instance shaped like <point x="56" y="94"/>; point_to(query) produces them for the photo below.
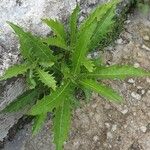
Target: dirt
<point x="101" y="125"/>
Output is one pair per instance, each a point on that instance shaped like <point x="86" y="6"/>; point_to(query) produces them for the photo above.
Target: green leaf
<point x="103" y="90"/>
<point x="49" y="102"/>
<point x="31" y="46"/>
<point x="14" y="71"/>
<point x="89" y="65"/>
<point x="73" y="26"/>
<point x="54" y="41"/>
<point x="46" y="64"/>
<point x="117" y="72"/>
<point x="30" y="79"/>
<point x="46" y="78"/>
<point x="105" y="24"/>
<point x="98" y="13"/>
<point x="38" y="123"/>
<point x="62" y="121"/>
<point x="27" y="98"/>
<point x="57" y="27"/>
<point x="88" y="94"/>
<point x="81" y="47"/>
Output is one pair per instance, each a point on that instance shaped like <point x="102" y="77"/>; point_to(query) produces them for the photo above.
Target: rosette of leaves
<point x="62" y="60"/>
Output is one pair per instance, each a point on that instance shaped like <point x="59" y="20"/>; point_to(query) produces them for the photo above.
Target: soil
<point x="101" y="125"/>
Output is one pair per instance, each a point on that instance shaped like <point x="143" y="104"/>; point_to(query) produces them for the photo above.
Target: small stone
<point x="109" y="135"/>
<point x="146" y="38"/>
<point x="131" y="81"/>
<point x="119" y="41"/>
<point x="95" y="138"/>
<point x="136" y="96"/>
<point x="136" y="65"/>
<point x="127" y="21"/>
<point x="107" y="125"/>
<point x="124" y="111"/>
<point x="143" y="128"/>
<point x="148" y="80"/>
<point x="114" y="127"/>
<point x="148" y="91"/>
<point x="139" y="87"/>
<point x="145" y="47"/>
<point x="142" y="92"/>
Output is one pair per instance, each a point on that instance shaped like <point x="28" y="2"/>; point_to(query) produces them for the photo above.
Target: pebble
<point x="146" y="38"/>
<point x="136" y="96"/>
<point x="107" y="125"/>
<point x="143" y="129"/>
<point x="131" y="81"/>
<point x="95" y="138"/>
<point x="114" y="127"/>
<point x="142" y="92"/>
<point x="148" y="80"/>
<point x="109" y="135"/>
<point x="139" y="87"/>
<point x="136" y="65"/>
<point x="124" y="111"/>
<point x="145" y="47"/>
<point x="127" y="21"/>
<point x="119" y="41"/>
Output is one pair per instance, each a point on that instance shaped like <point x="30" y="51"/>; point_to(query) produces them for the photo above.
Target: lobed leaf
<point x="103" y="27"/>
<point x="14" y="71"/>
<point x="38" y="123"/>
<point x="46" y="64"/>
<point x="46" y="78"/>
<point x="55" y="42"/>
<point x="103" y="90"/>
<point x="51" y="101"/>
<point x="57" y="27"/>
<point x="62" y="121"/>
<point x="27" y="98"/>
<point x="73" y="26"/>
<point x="98" y="13"/>
<point x="31" y="46"/>
<point x="81" y="47"/>
<point x="89" y="65"/>
<point x="117" y="72"/>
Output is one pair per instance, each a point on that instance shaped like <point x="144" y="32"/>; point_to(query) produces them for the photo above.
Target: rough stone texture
<point x="101" y="125"/>
<point x="28" y="14"/>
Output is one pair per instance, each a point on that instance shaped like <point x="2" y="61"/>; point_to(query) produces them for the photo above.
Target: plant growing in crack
<point x="56" y="66"/>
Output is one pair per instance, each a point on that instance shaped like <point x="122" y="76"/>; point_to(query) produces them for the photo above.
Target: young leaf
<point x="73" y="26"/>
<point x="103" y="90"/>
<point x="117" y="72"/>
<point x="31" y="46"/>
<point x="55" y="42"/>
<point x="82" y="47"/>
<point x="62" y="121"/>
<point x="57" y="27"/>
<point x="51" y="101"/>
<point x="46" y="64"/>
<point x="46" y="78"/>
<point x="98" y="13"/>
<point x="88" y="94"/>
<point x="15" y="71"/>
<point x="38" y="122"/>
<point x="27" y="98"/>
<point x="89" y="65"/>
<point x="103" y="27"/>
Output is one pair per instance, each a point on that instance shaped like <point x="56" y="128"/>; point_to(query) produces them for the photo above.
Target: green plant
<point x="142" y="5"/>
<point x="58" y="65"/>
